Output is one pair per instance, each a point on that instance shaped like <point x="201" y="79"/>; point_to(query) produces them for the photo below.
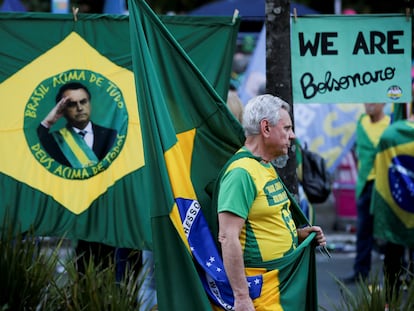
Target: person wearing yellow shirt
<point x="370" y="126"/>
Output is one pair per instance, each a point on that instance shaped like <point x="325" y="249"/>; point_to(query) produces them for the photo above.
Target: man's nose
<point x="79" y="106"/>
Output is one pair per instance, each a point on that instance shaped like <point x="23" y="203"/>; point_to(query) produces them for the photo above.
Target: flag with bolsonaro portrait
<point x="106" y="199"/>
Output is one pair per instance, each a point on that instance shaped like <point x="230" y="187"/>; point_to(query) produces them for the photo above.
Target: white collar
<point x="88" y="128"/>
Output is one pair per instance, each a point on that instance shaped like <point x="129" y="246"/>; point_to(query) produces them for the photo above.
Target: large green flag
<point x="209" y="41"/>
<point x="185" y="120"/>
<point x="393" y="196"/>
<point x="188" y="134"/>
<point x="109" y="202"/>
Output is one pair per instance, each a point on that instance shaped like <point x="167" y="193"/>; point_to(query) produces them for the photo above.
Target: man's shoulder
<point x="42" y="130"/>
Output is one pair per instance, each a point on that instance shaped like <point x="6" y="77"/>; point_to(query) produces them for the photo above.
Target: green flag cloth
<point x="194" y="133"/>
<point x="366" y="148"/>
<point x="393" y="195"/>
<point x="188" y="134"/>
<point x="110" y="201"/>
<point x="209" y="41"/>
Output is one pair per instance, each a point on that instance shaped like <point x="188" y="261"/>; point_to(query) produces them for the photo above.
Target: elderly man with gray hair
<point x="256" y="227"/>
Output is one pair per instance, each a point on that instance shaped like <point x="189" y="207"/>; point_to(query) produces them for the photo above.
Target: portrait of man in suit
<point x="81" y="142"/>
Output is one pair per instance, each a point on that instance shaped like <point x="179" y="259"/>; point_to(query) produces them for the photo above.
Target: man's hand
<point x="56" y="113"/>
<point x="320" y="237"/>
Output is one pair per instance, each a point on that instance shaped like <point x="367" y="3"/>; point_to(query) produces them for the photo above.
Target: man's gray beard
<point x="281" y="161"/>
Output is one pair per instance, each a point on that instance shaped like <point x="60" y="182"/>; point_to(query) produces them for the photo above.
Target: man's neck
<point x="377" y="117"/>
<point x="253" y="144"/>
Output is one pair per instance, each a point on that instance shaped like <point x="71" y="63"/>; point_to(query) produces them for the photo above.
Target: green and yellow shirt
<point x="253" y="190"/>
<point x="367" y="138"/>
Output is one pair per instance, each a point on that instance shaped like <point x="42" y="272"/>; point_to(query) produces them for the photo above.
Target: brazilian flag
<point x="111" y="201"/>
<point x="188" y="131"/>
<point x="392" y="200"/>
<point x="188" y="134"/>
<point x="174" y="132"/>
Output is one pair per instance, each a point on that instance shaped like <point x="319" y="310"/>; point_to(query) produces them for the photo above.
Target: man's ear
<point x="265" y="127"/>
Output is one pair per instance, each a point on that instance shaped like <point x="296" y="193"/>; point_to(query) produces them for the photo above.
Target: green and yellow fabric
<point x="89" y="203"/>
<point x="189" y="135"/>
<point x="174" y="131"/>
<point x="78" y="153"/>
<point x="393" y="196"/>
<point x="367" y="137"/>
<point x="270" y="272"/>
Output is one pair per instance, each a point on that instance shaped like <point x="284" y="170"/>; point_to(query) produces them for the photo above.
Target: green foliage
<point x="372" y="297"/>
<point x="29" y="279"/>
<point x="96" y="289"/>
<point x="25" y="272"/>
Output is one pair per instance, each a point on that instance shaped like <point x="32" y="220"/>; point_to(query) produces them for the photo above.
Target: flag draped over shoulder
<point x="107" y="202"/>
<point x="393" y="196"/>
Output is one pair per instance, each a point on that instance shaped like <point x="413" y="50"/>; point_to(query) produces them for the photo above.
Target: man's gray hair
<point x="262" y="107"/>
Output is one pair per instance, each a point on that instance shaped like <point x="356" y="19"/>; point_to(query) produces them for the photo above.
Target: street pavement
<point x="342" y="249"/>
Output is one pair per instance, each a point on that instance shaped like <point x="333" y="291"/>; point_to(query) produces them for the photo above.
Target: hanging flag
<point x="204" y="39"/>
<point x="393" y="196"/>
<point x="194" y="133"/>
<point x="104" y="202"/>
<point x="188" y="134"/>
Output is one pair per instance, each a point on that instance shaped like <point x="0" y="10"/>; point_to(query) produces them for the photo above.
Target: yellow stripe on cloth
<point x="178" y="160"/>
<point x="269" y="299"/>
<point x="384" y="162"/>
<point x="76" y="149"/>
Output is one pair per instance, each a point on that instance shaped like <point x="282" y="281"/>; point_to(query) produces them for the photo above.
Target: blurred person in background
<point x="392" y="202"/>
<point x="370" y="126"/>
<point x="256" y="225"/>
<point x="234" y="104"/>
